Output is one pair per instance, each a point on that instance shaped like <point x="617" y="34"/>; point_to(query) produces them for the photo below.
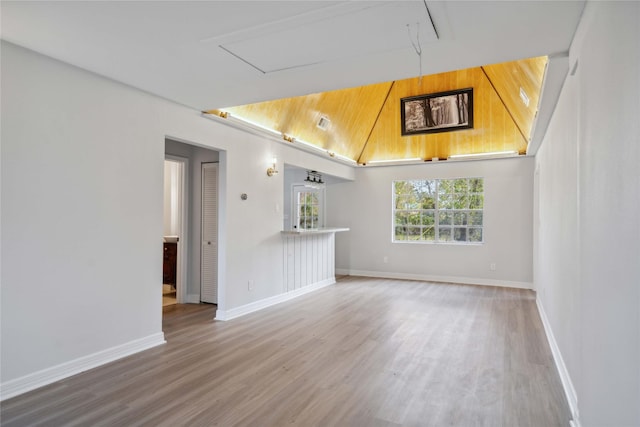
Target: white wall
<point x="82" y="188"/>
<point x="365" y="207"/>
<point x="587" y="268"/>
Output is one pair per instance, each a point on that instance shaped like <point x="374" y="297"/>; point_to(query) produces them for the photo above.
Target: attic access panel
<point x="346" y="30"/>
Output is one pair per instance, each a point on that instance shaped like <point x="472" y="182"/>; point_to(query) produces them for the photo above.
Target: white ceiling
<point x="214" y="54"/>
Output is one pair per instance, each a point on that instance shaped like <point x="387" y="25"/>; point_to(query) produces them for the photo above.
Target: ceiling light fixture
<point x="493" y="154"/>
<point x="313" y="180"/>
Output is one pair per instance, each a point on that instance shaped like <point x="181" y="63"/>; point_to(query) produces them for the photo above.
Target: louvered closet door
<point x="209" y="259"/>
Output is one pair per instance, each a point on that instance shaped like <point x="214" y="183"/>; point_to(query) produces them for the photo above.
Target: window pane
<point x="445" y="186"/>
<point x="476" y="185"/>
<point x="445" y="202"/>
<point x="444" y="234"/>
<point x="416" y="187"/>
<point x="401" y="202"/>
<point x="460" y="201"/>
<point x="429" y="233"/>
<point x="402" y="187"/>
<point x="402" y="218"/>
<point x="428" y="201"/>
<point x="407" y="202"/>
<point x="446" y="218"/>
<point x="475" y="218"/>
<point x="460" y="185"/>
<point x="476" y="201"/>
<point x="401" y="233"/>
<point x="475" y="234"/>
<point x="413" y="233"/>
<point x="414" y="218"/>
<point x="430" y="186"/>
<point x="460" y="234"/>
<point x="428" y="218"/>
<point x="460" y="218"/>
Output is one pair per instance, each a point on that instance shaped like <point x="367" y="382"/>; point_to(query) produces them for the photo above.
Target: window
<point x="308" y="207"/>
<point x="438" y="210"/>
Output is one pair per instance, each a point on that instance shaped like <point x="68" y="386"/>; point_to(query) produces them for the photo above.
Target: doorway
<point x="174" y="231"/>
<point x="194" y="260"/>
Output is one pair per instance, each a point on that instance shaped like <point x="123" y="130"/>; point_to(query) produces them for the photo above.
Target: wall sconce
<point x="273" y="169"/>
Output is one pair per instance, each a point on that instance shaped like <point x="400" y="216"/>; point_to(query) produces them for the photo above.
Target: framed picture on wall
<point x="437" y="112"/>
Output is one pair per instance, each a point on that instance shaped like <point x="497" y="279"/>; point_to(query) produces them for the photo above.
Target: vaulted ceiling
<point x="216" y="54"/>
<point x="364" y="123"/>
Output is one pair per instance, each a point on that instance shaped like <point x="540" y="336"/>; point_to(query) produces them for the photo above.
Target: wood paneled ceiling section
<point x="365" y="121"/>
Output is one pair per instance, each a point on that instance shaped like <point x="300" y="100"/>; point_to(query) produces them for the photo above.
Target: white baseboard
<point x="268" y="302"/>
<point x="567" y="384"/>
<point x="433" y="278"/>
<point x="193" y="299"/>
<point x="46" y="376"/>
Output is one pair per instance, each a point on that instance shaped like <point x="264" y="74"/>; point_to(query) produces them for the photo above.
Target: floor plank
<point x="365" y="352"/>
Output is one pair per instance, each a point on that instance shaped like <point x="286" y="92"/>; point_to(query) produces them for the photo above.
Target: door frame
<point x="183" y="227"/>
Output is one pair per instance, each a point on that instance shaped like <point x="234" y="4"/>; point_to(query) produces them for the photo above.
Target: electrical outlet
<point x="250" y="285"/>
<point x="492" y="266"/>
<point x="385" y="259"/>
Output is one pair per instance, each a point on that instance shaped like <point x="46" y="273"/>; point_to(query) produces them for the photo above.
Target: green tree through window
<point x="308" y="209"/>
<point x="438" y="210"/>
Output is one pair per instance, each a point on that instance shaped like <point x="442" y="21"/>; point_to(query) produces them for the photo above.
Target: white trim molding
<point x="47" y="376"/>
<point x="565" y="378"/>
<point x="434" y="278"/>
<point x="268" y="302"/>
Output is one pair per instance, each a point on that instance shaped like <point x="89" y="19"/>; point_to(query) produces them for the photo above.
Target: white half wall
<point x="82" y="200"/>
<point x="365" y="206"/>
<point x="587" y="256"/>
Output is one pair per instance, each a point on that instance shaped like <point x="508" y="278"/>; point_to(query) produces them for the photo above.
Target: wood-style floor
<point x="364" y="352"/>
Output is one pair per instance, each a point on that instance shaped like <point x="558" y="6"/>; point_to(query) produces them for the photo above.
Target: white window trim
<point x="436" y="215"/>
<point x="302" y="187"/>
